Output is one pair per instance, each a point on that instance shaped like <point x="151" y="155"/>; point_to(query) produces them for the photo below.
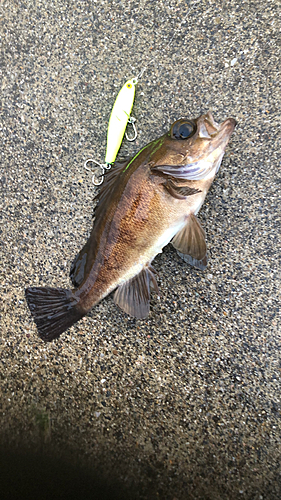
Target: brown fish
<point x="143" y="204"/>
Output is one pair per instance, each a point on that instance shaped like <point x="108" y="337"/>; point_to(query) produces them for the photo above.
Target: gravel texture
<point x="186" y="404"/>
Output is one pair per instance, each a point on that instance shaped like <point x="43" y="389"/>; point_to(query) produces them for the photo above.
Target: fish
<point x="144" y="203"/>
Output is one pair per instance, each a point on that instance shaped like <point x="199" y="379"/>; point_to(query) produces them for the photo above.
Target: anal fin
<point x="134" y="295"/>
<point x="191" y="244"/>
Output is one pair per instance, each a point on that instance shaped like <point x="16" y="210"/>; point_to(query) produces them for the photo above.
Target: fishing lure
<point x="119" y="119"/>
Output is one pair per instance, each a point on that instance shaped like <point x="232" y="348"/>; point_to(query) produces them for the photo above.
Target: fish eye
<point x="183" y="129"/>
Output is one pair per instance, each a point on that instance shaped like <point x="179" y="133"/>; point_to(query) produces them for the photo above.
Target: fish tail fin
<point x="54" y="310"/>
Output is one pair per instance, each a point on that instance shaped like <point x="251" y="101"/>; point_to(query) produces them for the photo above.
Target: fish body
<point x="144" y="203"/>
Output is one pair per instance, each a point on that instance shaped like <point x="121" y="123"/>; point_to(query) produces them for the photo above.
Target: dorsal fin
<point x="79" y="265"/>
<point x="77" y="270"/>
<point x="110" y="178"/>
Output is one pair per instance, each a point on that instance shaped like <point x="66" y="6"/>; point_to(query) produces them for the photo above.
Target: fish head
<point x="194" y="148"/>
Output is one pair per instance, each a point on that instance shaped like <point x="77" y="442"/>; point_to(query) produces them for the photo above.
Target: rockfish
<point x="144" y="203"/>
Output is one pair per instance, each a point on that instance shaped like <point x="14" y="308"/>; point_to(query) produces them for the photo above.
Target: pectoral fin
<point x="134" y="295"/>
<point x="190" y="243"/>
<point x="179" y="192"/>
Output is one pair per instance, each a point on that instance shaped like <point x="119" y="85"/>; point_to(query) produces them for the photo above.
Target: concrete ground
<point x="185" y="404"/>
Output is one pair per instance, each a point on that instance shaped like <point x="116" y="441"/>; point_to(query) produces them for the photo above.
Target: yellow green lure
<point x="119" y="118"/>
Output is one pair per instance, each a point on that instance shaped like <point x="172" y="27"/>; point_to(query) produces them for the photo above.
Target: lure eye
<point x="183" y="129"/>
<point x="129" y="85"/>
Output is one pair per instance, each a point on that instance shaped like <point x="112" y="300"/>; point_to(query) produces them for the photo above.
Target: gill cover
<point x="119" y="117"/>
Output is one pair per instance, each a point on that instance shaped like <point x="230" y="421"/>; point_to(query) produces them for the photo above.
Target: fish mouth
<point x="225" y="131"/>
<point x="208" y="128"/>
<point x="228" y="125"/>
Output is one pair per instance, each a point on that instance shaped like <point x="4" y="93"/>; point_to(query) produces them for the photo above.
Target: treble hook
<point x="102" y="166"/>
<point x="132" y="122"/>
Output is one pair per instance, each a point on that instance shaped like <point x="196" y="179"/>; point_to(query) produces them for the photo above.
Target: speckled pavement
<point x="185" y="404"/>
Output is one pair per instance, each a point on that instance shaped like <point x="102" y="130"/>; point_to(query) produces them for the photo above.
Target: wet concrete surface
<point x="185" y="404"/>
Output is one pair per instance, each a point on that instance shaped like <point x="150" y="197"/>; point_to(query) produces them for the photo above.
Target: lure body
<point x="119" y="118"/>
